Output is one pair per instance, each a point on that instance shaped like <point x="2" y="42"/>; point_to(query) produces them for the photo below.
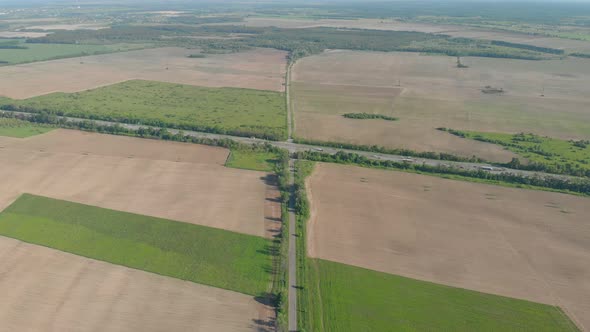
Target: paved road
<point x="295" y="147"/>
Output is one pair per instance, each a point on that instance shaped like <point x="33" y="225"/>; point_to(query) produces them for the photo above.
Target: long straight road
<point x="295" y="147"/>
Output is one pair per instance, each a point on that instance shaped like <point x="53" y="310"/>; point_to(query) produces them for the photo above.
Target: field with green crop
<point x="20" y="129"/>
<point x="243" y="112"/>
<point x="190" y="252"/>
<point x="251" y="159"/>
<point x="41" y="52"/>
<point x="347" y="298"/>
<point x="549" y="154"/>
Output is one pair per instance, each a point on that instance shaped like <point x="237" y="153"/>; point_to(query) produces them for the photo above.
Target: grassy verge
<point x="305" y="300"/>
<point x="355" y="299"/>
<point x="252" y="159"/>
<point x="195" y="253"/>
<point x="240" y="112"/>
<point x="543" y="153"/>
<point x="21" y="129"/>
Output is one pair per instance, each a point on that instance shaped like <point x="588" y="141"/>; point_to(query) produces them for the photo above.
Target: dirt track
<point x="525" y="244"/>
<point x="184" y="182"/>
<point x="48" y="290"/>
<point x="262" y="69"/>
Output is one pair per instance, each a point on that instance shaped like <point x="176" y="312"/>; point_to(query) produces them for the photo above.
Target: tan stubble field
<point x="262" y="69"/>
<point x="178" y="181"/>
<point x="427" y="92"/>
<point x="519" y="243"/>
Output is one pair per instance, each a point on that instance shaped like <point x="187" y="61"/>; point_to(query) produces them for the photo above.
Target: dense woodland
<point x="299" y="42"/>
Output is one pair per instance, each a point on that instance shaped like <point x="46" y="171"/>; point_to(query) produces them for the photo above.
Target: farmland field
<point x="46" y="289"/>
<point x="222" y="110"/>
<point x="20" y="129"/>
<point x="43" y="52"/>
<point x="195" y="253"/>
<point x="529" y="245"/>
<point x="177" y="181"/>
<point x="348" y="298"/>
<point x="262" y="69"/>
<point x="426" y="92"/>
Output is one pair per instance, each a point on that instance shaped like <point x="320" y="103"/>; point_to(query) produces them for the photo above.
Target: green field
<point x="545" y="153"/>
<point x="348" y="298"/>
<point x="253" y="160"/>
<point x="243" y="112"/>
<point x="190" y="252"/>
<point x="20" y="129"/>
<point x="42" y="52"/>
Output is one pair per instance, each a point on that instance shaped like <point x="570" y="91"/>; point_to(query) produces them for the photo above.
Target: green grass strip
<point x="185" y="251"/>
<point x="252" y="160"/>
<point x="21" y="129"/>
<point x="348" y="298"/>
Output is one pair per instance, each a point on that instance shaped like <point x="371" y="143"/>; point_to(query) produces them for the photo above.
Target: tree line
<point x="369" y="116"/>
<point x="384" y="150"/>
<point x="273" y="134"/>
<point x="581" y="186"/>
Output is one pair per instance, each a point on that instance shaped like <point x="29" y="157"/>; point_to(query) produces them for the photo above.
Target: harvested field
<point x="46" y="289"/>
<point x="262" y="69"/>
<point x="184" y="182"/>
<point x="518" y="243"/>
<point x="426" y="92"/>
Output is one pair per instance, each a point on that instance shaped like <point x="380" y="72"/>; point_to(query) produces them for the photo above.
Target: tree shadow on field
<point x="269" y="300"/>
<point x="270" y="180"/>
<point x="269" y="250"/>
<point x="262" y="325"/>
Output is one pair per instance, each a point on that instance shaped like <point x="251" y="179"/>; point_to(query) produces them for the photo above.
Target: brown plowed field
<point x="48" y="290"/>
<point x="262" y="69"/>
<point x="427" y="92"/>
<point x="525" y="244"/>
<point x="184" y="182"/>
